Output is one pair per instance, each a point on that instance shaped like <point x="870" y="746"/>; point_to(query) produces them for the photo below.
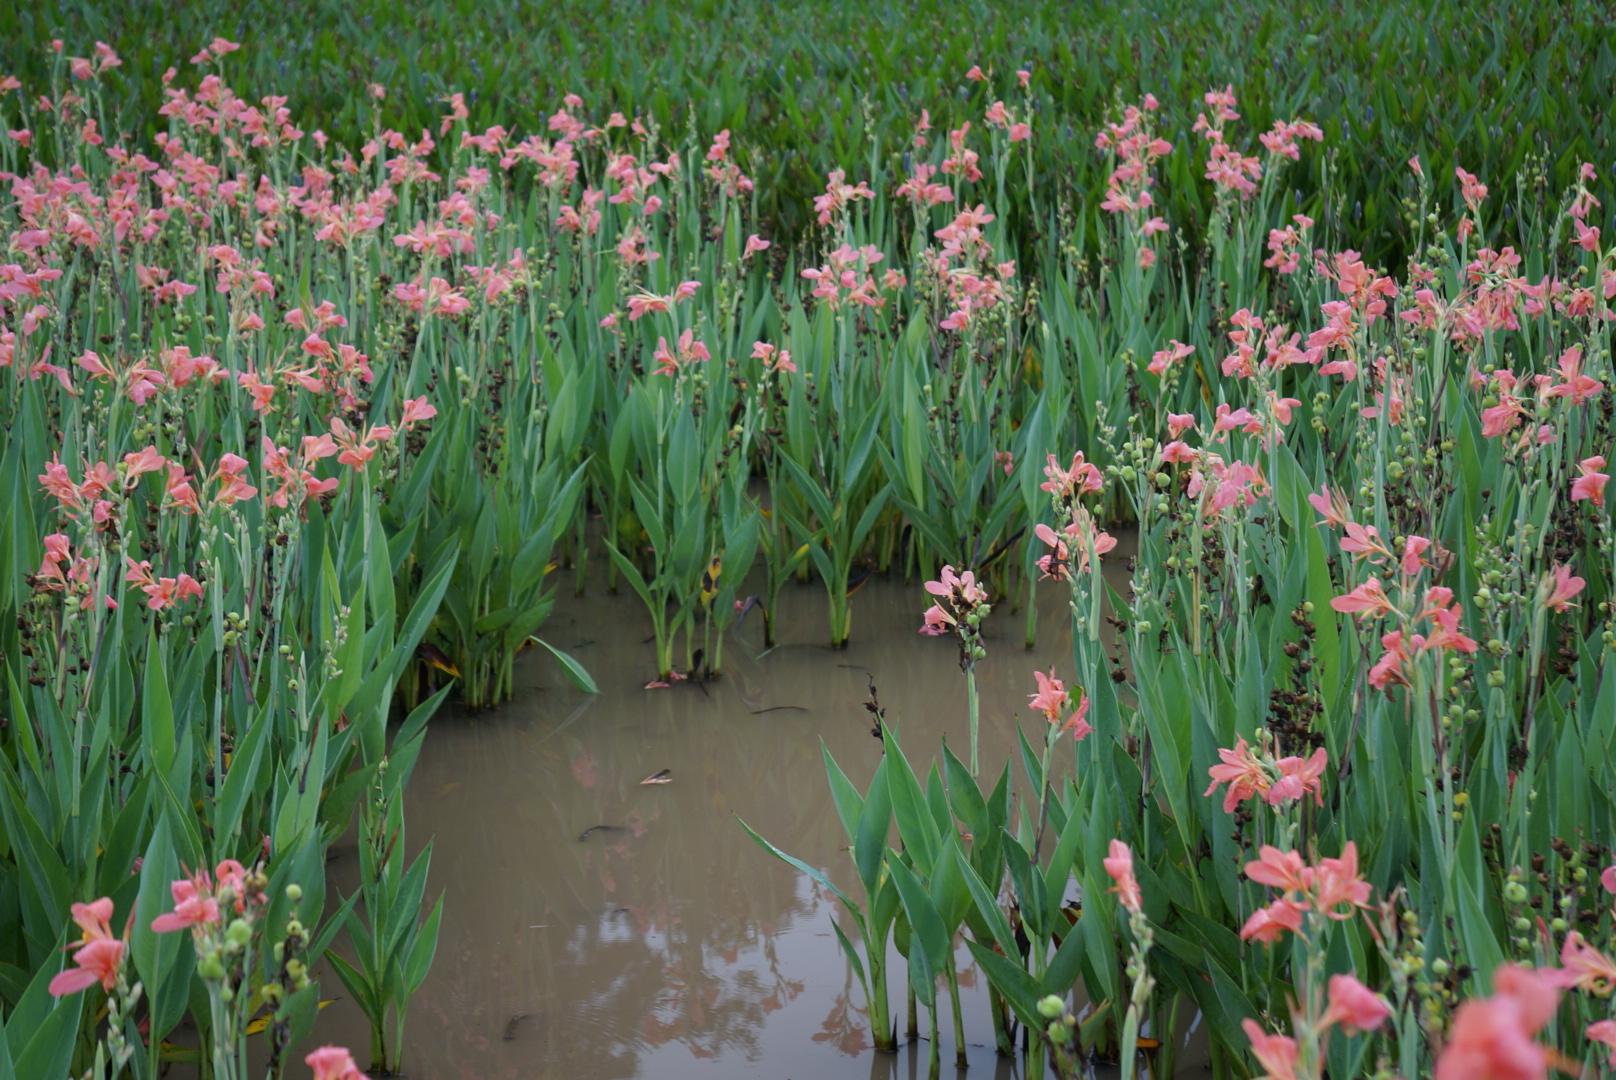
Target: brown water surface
<point x="668" y="944"/>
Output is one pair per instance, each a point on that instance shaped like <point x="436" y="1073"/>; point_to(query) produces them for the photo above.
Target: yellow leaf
<point x="709" y="580"/>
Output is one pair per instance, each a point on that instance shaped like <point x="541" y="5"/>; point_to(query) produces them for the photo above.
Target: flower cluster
<point x="1331" y="888"/>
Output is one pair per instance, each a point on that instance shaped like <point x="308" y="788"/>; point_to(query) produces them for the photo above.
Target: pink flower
<point x="1604" y="1031"/>
<point x="1363" y="541"/>
<point x="1578" y="388"/>
<point x="1584" y="967"/>
<point x="98" y="956"/>
<point x="1389" y="668"/>
<point x="1275" y="1053"/>
<point x="1494" y="1038"/>
<point x="194" y="905"/>
<point x="1054" y="565"/>
<point x="1336" y="884"/>
<point x="1080" y="478"/>
<point x="333" y="1063"/>
<point x="1607" y="879"/>
<point x="140" y="463"/>
<point x="1590" y="484"/>
<point x="1298" y="777"/>
<point x="1166" y="358"/>
<point x="1052" y="699"/>
<point x="1271" y="923"/>
<point x="1473" y="190"/>
<point x="754" y="244"/>
<point x="1119" y="864"/>
<point x="1414" y="549"/>
<point x="1242" y="771"/>
<point x="1354" y="1006"/>
<point x="1332" y="506"/>
<point x="1369" y="598"/>
<point x="937" y="622"/>
<point x="416" y="410"/>
<point x="1279" y="869"/>
<point x="961" y="585"/>
<point x="1501" y="418"/>
<point x="1559" y="586"/>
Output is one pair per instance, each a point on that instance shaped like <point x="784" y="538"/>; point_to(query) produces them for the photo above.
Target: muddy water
<point x="596" y="927"/>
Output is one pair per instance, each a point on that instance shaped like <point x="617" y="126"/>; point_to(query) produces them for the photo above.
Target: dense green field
<point x="1510" y="89"/>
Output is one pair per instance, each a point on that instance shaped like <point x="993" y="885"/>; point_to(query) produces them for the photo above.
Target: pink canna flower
<point x="1277" y="1054"/>
<point x="1298" y="777"/>
<point x="1364" y="541"/>
<point x="962" y="584"/>
<point x="1495" y="1038"/>
<point x="1270" y="924"/>
<point x="774" y="358"/>
<point x="1502" y="418"/>
<point x="1279" y="869"/>
<point x="1336" y="884"/>
<point x="194" y="905"/>
<point x="232" y="479"/>
<point x="1473" y="190"/>
<point x="140" y="463"/>
<point x="1055" y="565"/>
<point x="1367" y="599"/>
<point x="92" y="363"/>
<point x="754" y="244"/>
<point x="1178" y="452"/>
<point x="1558" y="587"/>
<point x="1604" y="1031"/>
<point x="1331" y="505"/>
<point x="1445" y="617"/>
<point x="1080" y="478"/>
<point x="1414" y="549"/>
<point x="937" y="622"/>
<point x="1166" y="358"/>
<point x="1119" y="864"/>
<point x="1575" y="387"/>
<point x="1354" y="1006"/>
<point x="1052" y="699"/>
<point x="1584" y="967"/>
<point x="98" y="955"/>
<point x="1243" y="771"/>
<point x="1389" y="668"/>
<point x="333" y="1063"/>
<point x="1590" y="483"/>
<point x="417" y="410"/>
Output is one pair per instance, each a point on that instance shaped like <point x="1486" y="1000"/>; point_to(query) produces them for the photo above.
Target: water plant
<point x="302" y="427"/>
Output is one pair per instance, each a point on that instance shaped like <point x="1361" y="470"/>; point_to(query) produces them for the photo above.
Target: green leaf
<point x="576" y="674"/>
<point x="869" y="846"/>
<point x="157" y="709"/>
<point x="915" y="824"/>
<point x="423" y="949"/>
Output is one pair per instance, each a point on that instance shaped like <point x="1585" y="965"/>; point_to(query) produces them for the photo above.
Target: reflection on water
<point x="596" y="927"/>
